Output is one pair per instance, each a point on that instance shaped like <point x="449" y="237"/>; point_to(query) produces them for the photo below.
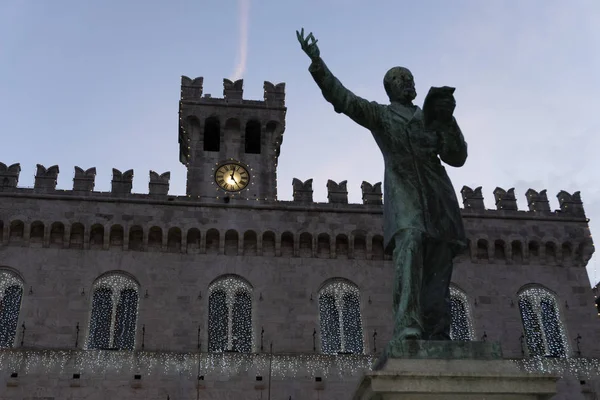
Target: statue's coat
<point x="418" y="193"/>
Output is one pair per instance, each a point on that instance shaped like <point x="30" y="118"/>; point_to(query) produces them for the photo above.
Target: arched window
<point x="461" y="327"/>
<point x="499" y="252"/>
<point x="340" y="319"/>
<point x="230" y="315"/>
<point x="11" y="292"/>
<point x="544" y="332"/>
<point x="252" y="142"/>
<point x="114" y="313"/>
<point x="212" y="134"/>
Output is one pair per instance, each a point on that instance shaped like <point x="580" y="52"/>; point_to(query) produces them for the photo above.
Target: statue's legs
<point x="408" y="265"/>
<point x="435" y="290"/>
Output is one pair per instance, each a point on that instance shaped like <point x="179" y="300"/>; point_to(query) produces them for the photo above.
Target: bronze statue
<point x="422" y="220"/>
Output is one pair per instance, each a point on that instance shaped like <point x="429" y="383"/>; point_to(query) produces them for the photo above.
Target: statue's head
<point x="399" y="85"/>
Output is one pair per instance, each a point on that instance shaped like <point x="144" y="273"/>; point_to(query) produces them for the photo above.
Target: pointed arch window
<point x="113" y="319"/>
<point x="230" y="315"/>
<point x="340" y="318"/>
<point x="461" y="327"/>
<point x="544" y="332"/>
<point x="11" y="293"/>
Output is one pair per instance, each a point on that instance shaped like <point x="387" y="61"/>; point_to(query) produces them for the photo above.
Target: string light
<point x="114" y="313"/>
<point x="11" y="292"/>
<point x="229" y="365"/>
<point x="544" y="333"/>
<point x="340" y="318"/>
<point x="223" y="365"/>
<point x="461" y="327"/>
<point x="230" y="315"/>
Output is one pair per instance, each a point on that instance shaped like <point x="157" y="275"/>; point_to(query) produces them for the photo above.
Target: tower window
<point x="212" y="134"/>
<point x="253" y="137"/>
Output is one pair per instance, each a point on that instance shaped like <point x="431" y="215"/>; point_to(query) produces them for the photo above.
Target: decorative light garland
<point x="340" y="318"/>
<point x="229" y="365"/>
<point x="544" y="332"/>
<point x="11" y="293"/>
<point x="461" y="327"/>
<point x="230" y="315"/>
<point x="225" y="365"/>
<point x="114" y="313"/>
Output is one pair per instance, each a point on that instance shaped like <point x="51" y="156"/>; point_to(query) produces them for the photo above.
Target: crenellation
<point x="233" y="91"/>
<point x="337" y="192"/>
<point x="371" y="194"/>
<point x="159" y="184"/>
<point x="505" y="199"/>
<point x="537" y="202"/>
<point x="274" y="94"/>
<point x="303" y="191"/>
<point x="122" y="182"/>
<point x="9" y="176"/>
<point x="472" y="199"/>
<point x="84" y="181"/>
<point x="571" y="204"/>
<point x="191" y="89"/>
<point x="45" y="179"/>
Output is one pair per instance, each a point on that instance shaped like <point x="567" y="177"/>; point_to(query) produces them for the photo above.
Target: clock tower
<point x="230" y="145"/>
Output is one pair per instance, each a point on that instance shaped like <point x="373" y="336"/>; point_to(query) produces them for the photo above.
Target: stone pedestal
<point x="448" y="370"/>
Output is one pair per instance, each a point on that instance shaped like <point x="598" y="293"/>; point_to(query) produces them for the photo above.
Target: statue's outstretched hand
<point x="308" y="44"/>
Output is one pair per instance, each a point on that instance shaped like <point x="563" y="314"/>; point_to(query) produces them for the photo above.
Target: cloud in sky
<point x="244" y="16"/>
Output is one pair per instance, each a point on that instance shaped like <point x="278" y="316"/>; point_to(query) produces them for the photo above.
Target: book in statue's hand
<point x="439" y="106"/>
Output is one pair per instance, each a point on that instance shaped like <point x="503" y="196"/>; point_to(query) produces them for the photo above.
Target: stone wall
<point x="59" y="244"/>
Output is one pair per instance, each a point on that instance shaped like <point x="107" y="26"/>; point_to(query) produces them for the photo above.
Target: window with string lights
<point x="11" y="292"/>
<point x="461" y="327"/>
<point x="113" y="320"/>
<point x="340" y="318"/>
<point x="230" y="315"/>
<point x="544" y="332"/>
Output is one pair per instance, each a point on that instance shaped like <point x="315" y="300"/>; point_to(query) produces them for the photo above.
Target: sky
<point x="97" y="84"/>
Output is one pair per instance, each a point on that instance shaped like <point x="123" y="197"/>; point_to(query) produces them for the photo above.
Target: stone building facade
<point x="232" y="294"/>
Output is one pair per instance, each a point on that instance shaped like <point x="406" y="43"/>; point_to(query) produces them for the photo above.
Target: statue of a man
<point x="422" y="220"/>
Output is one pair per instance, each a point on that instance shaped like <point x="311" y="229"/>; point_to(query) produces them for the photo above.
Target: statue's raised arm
<point x="362" y="111"/>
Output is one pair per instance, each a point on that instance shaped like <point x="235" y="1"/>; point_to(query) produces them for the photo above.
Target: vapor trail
<point x="244" y="11"/>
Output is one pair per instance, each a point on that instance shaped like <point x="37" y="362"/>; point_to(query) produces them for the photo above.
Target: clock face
<point x="232" y="177"/>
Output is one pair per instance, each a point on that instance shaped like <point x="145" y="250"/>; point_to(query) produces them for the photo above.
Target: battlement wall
<point x="570" y="205"/>
<point x="233" y="93"/>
